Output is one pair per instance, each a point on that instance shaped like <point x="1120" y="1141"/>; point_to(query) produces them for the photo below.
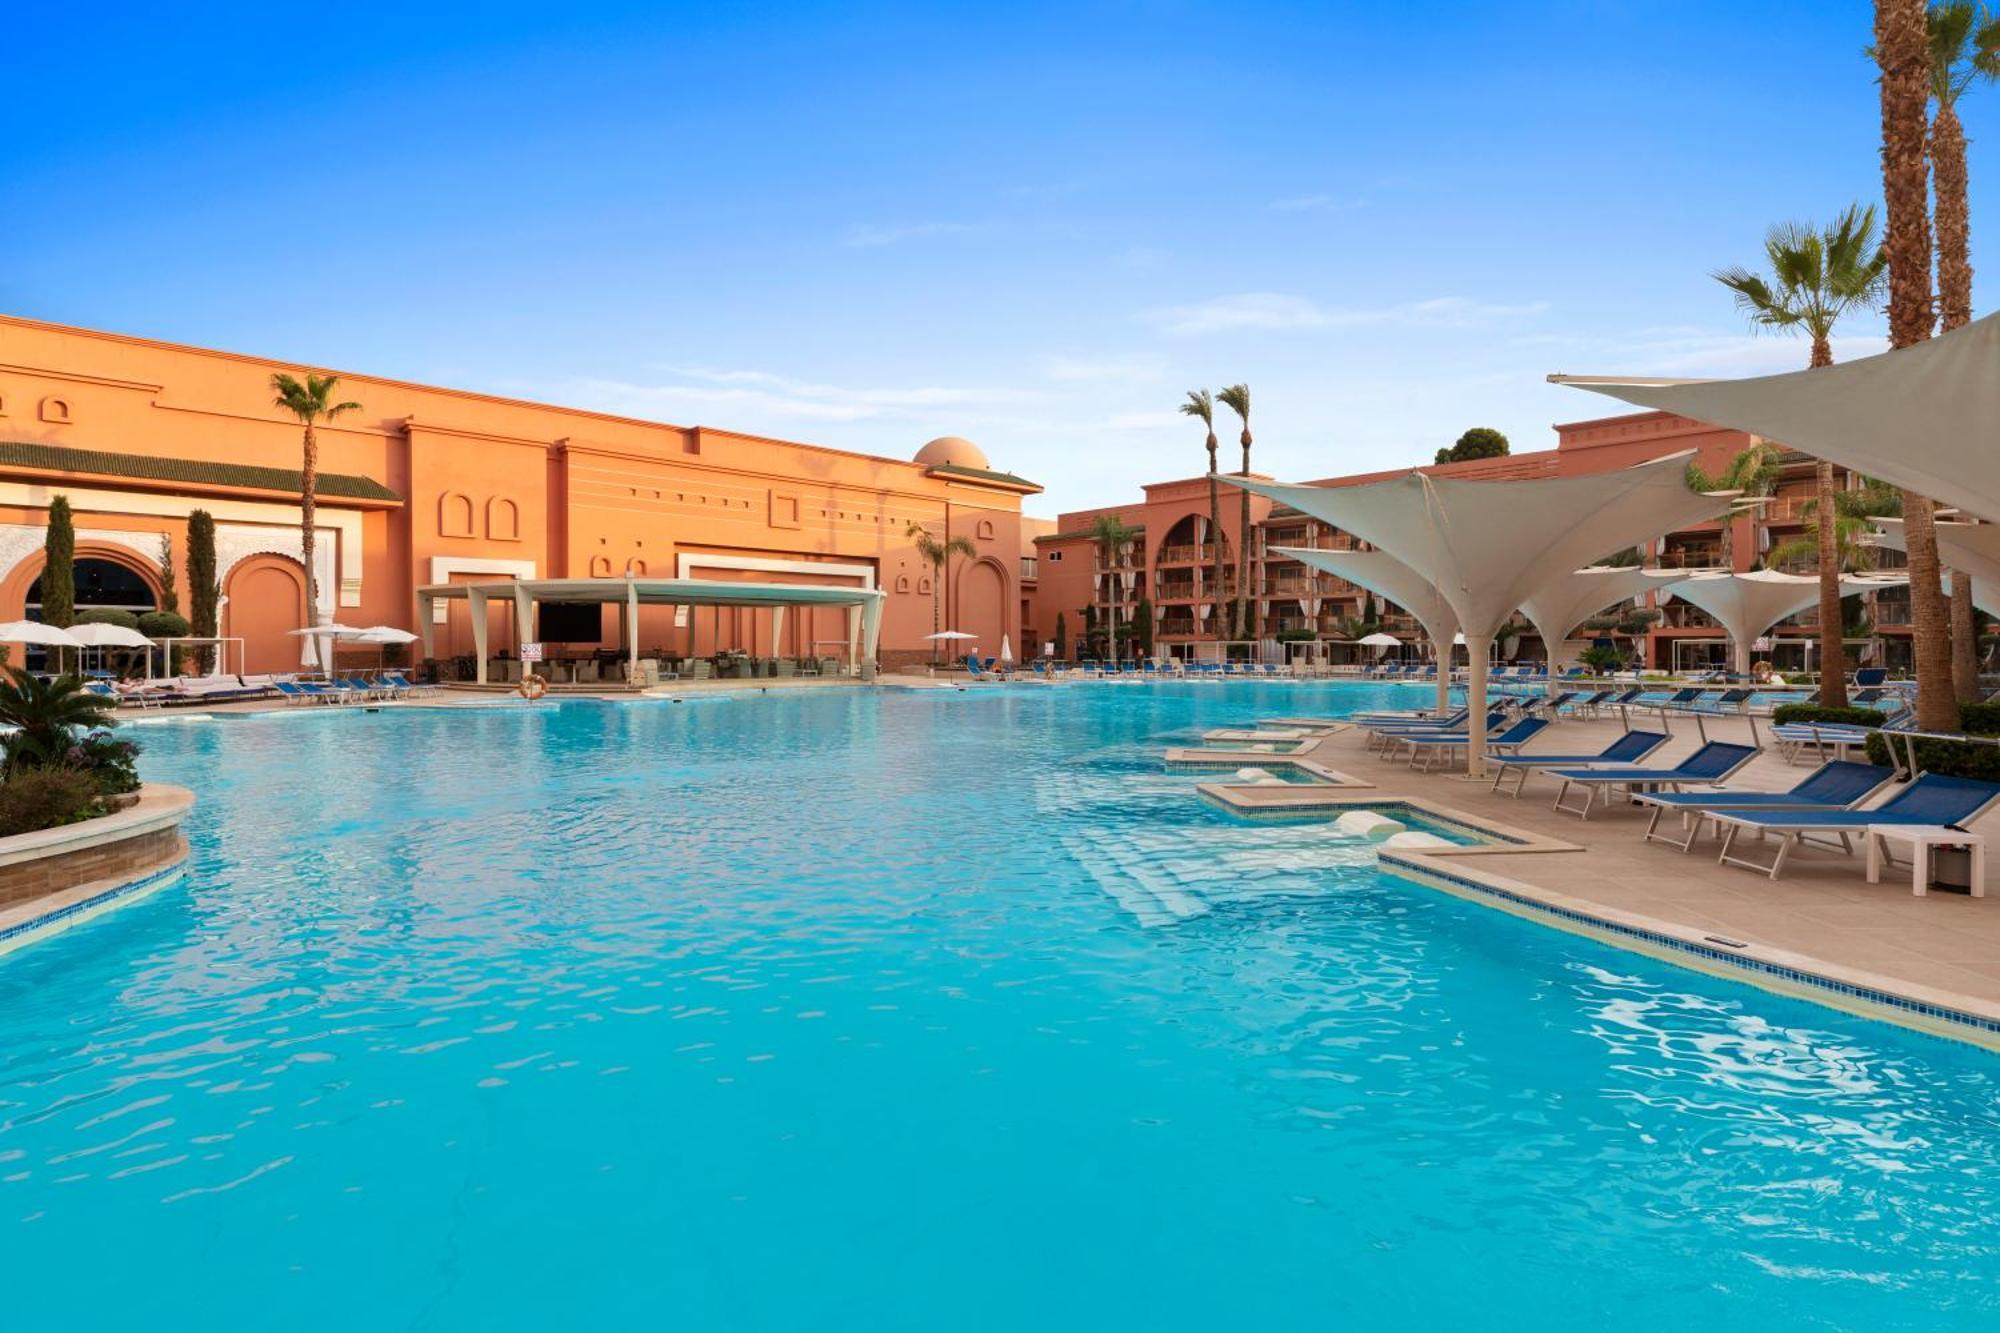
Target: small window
<point x="1055" y="557"/>
<point x="56" y="410"/>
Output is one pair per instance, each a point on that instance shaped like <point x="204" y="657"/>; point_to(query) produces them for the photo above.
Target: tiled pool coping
<point x="78" y="906"/>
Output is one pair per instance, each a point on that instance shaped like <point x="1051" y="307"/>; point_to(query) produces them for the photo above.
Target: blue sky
<point x="866" y="225"/>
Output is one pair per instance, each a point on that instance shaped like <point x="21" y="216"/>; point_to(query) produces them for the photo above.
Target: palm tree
<point x="1964" y="50"/>
<point x="312" y="403"/>
<point x="1751" y="473"/>
<point x="1112" y="537"/>
<point x="1902" y="49"/>
<point x="1237" y="399"/>
<point x="46" y="716"/>
<point x="1201" y="404"/>
<point x="1853" y="527"/>
<point x="937" y="554"/>
<point x="1817" y="275"/>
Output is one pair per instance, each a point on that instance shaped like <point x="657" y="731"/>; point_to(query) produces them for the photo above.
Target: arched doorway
<point x="982" y="607"/>
<point x="265" y="601"/>
<point x="101" y="583"/>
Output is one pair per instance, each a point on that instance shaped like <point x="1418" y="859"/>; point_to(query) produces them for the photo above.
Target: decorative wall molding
<point x="687" y="560"/>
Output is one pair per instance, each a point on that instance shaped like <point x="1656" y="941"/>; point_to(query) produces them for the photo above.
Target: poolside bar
<point x="863" y="607"/>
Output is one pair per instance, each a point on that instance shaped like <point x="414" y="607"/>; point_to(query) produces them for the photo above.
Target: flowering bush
<point x="111" y="763"/>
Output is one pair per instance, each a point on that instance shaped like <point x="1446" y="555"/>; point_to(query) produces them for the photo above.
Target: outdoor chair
<point x="1932" y="799"/>
<point x="1628" y="748"/>
<point x="1712" y="764"/>
<point x="1839" y="785"/>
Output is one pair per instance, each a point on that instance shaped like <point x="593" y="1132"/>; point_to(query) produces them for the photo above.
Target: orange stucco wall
<point x="489" y="487"/>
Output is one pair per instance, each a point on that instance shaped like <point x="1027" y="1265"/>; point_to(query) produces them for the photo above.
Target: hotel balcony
<point x="1028" y="574"/>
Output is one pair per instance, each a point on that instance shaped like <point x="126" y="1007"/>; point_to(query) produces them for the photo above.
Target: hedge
<point x="1954" y="759"/>
<point x="1846" y="717"/>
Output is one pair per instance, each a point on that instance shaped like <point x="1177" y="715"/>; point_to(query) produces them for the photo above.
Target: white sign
<point x="531" y="652"/>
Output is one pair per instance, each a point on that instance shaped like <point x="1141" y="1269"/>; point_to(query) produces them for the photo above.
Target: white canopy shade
<point x="1488" y="546"/>
<point x="1972" y="548"/>
<point x="109" y="636"/>
<point x="1749" y="604"/>
<point x="1006" y="649"/>
<point x="1567" y="600"/>
<point x="1925" y="417"/>
<point x="1386" y="576"/>
<point x="324" y="631"/>
<point x="381" y="634"/>
<point x="950" y="634"/>
<point x="34" y="631"/>
<point x="1380" y="640"/>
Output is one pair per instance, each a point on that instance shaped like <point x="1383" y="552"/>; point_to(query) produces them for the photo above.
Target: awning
<point x="1749" y="604"/>
<point x="1925" y="417"/>
<point x="1973" y="548"/>
<point x="1489" y="546"/>
<point x="1386" y="576"/>
<point x="1567" y="600"/>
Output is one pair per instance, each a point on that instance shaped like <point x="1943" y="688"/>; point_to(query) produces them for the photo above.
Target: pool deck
<point x="1822" y="917"/>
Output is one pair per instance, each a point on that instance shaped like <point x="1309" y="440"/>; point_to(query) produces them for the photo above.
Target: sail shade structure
<point x="1749" y="604"/>
<point x="1973" y="548"/>
<point x="1925" y="417"/>
<point x="1488" y="546"/>
<point x="1386" y="576"/>
<point x="1567" y="600"/>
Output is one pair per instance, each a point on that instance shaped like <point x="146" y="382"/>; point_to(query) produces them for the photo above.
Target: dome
<point x="952" y="451"/>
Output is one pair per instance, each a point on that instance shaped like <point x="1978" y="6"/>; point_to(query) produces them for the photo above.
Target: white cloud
<point x="1105" y="370"/>
<point x="755" y="399"/>
<point x="1276" y="310"/>
<point x="864" y="234"/>
<point x="1317" y="203"/>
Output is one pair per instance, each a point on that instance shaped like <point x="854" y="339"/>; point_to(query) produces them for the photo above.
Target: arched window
<point x="454" y="514"/>
<point x="101" y="583"/>
<point x="503" y="519"/>
<point x="56" y="410"/>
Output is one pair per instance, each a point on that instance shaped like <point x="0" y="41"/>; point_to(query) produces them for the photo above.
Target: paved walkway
<point x="1942" y="948"/>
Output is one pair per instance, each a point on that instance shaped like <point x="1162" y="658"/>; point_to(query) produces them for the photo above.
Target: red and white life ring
<point x="532" y="687"/>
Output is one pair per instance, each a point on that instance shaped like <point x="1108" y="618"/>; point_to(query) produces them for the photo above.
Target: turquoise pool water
<point x="872" y="1010"/>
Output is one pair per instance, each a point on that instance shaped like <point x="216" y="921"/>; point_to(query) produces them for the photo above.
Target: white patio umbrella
<point x="317" y="638"/>
<point x="1386" y="576"/>
<point x="1567" y="600"/>
<point x="34" y="631"/>
<point x="1925" y="417"/>
<point x="1749" y="604"/>
<point x="1006" y="649"/>
<point x="1971" y="547"/>
<point x="1489" y="545"/>
<point x="109" y="636"/>
<point x="381" y="634"/>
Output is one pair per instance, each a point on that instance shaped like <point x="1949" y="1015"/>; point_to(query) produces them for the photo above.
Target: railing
<point x="1280" y="624"/>
<point x="1186" y="555"/>
<point x="1287" y="585"/>
<point x="1680" y="615"/>
<point x="1691" y="557"/>
<point x="1892" y="613"/>
<point x="1177" y="592"/>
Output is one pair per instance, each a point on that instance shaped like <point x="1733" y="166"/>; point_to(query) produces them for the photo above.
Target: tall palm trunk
<point x="1215" y="537"/>
<point x="1113" y="587"/>
<point x="1902" y="48"/>
<point x="308" y="518"/>
<point x="1954" y="280"/>
<point x="1832" y="648"/>
<point x="1243" y="615"/>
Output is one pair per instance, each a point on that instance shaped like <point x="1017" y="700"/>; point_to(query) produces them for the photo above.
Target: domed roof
<point x="952" y="451"/>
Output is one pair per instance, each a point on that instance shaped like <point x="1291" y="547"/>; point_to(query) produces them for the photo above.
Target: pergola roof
<point x="1971" y="547"/>
<point x="1489" y="546"/>
<point x="656" y="592"/>
<point x="1925" y="417"/>
<point x="1567" y="600"/>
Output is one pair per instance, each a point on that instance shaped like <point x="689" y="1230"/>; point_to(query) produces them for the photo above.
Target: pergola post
<point x="778" y="630"/>
<point x="854" y="638"/>
<point x="871" y="635"/>
<point x="477" y="604"/>
<point x="425" y="634"/>
<point x="631" y="631"/>
<point x="524" y="616"/>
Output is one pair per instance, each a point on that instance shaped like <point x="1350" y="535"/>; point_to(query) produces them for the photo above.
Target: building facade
<point x="1169" y="563"/>
<point x="428" y="485"/>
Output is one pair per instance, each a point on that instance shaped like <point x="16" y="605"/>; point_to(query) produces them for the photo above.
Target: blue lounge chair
<point x="1865" y="676"/>
<point x="1932" y="799"/>
<point x="1710" y="765"/>
<point x="1437" y="748"/>
<point x="1628" y="748"/>
<point x="1795" y="739"/>
<point x="1836" y="786"/>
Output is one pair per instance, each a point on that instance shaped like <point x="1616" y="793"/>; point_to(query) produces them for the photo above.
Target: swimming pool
<point x="877" y="1009"/>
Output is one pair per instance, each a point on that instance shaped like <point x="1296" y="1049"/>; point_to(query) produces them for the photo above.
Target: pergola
<point x="863" y="606"/>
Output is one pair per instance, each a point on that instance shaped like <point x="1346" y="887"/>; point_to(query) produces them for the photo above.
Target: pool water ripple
<point x="901" y="1011"/>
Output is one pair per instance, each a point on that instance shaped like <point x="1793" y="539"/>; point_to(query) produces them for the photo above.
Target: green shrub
<point x="163" y="625"/>
<point x="1846" y="717"/>
<point x="1979" y="719"/>
<point x="107" y="615"/>
<point x="111" y="763"/>
<point x="46" y="798"/>
<point x="1952" y="759"/>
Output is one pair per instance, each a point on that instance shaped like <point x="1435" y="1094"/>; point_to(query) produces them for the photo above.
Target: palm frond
<point x="1201" y="404"/>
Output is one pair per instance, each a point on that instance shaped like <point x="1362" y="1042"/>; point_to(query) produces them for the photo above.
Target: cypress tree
<point x="170" y="595"/>
<point x="59" y="577"/>
<point x="1062" y="637"/>
<point x="203" y="590"/>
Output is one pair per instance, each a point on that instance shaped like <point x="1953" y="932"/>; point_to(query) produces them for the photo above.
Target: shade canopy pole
<point x="631" y="631"/>
<point x="478" y="606"/>
<point x="1478" y="648"/>
<point x="871" y="629"/>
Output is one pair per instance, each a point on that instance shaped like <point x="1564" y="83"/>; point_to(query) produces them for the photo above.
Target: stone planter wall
<point x="53" y="873"/>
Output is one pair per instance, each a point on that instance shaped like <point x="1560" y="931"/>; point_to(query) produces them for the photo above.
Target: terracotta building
<point x="1169" y="563"/>
<point x="428" y="485"/>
